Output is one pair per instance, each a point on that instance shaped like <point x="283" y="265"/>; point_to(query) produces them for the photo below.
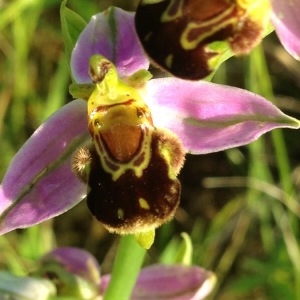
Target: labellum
<point x="177" y="34"/>
<point x="131" y="167"/>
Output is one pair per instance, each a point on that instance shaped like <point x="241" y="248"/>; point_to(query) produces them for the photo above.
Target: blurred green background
<point x="241" y="207"/>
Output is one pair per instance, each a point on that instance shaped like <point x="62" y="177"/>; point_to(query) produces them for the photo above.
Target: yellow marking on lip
<point x="167" y="16"/>
<point x="120" y="213"/>
<point x="169" y="60"/>
<point x="148" y="36"/>
<point x="144" y="203"/>
<point x="215" y="24"/>
<point x="149" y="2"/>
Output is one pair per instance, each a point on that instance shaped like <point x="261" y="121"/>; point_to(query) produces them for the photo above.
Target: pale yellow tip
<point x="145" y="239"/>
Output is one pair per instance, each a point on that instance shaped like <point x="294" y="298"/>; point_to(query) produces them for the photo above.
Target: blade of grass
<point x="260" y="82"/>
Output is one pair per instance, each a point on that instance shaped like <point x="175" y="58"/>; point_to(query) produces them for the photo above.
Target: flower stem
<point x="126" y="268"/>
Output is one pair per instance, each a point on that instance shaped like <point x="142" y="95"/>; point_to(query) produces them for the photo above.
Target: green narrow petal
<point x="72" y="25"/>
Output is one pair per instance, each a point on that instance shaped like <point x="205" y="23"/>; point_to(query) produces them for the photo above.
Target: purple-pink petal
<point x="76" y="261"/>
<point x="176" y="282"/>
<point x="39" y="183"/>
<point x="285" y="18"/>
<point x="210" y="117"/>
<point x="112" y="34"/>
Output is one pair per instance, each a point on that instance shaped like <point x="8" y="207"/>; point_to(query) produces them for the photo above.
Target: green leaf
<point x="72" y="25"/>
<point x="185" y="250"/>
<point x="81" y="90"/>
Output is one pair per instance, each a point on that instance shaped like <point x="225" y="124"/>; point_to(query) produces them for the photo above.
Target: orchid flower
<point x="189" y="38"/>
<point x="204" y="117"/>
<point x="75" y="273"/>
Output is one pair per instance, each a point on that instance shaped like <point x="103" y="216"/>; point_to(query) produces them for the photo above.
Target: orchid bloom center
<point x="131" y="166"/>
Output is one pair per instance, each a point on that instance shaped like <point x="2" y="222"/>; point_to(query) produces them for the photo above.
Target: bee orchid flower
<point x="189" y="38"/>
<point x="201" y="117"/>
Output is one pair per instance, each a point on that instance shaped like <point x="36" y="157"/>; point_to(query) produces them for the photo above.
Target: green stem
<point x="126" y="268"/>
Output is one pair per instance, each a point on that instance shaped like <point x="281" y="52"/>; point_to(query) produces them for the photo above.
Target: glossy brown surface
<point x="133" y="204"/>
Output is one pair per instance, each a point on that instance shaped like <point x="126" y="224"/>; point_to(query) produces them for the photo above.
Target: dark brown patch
<point x="97" y="74"/>
<point x="107" y="198"/>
